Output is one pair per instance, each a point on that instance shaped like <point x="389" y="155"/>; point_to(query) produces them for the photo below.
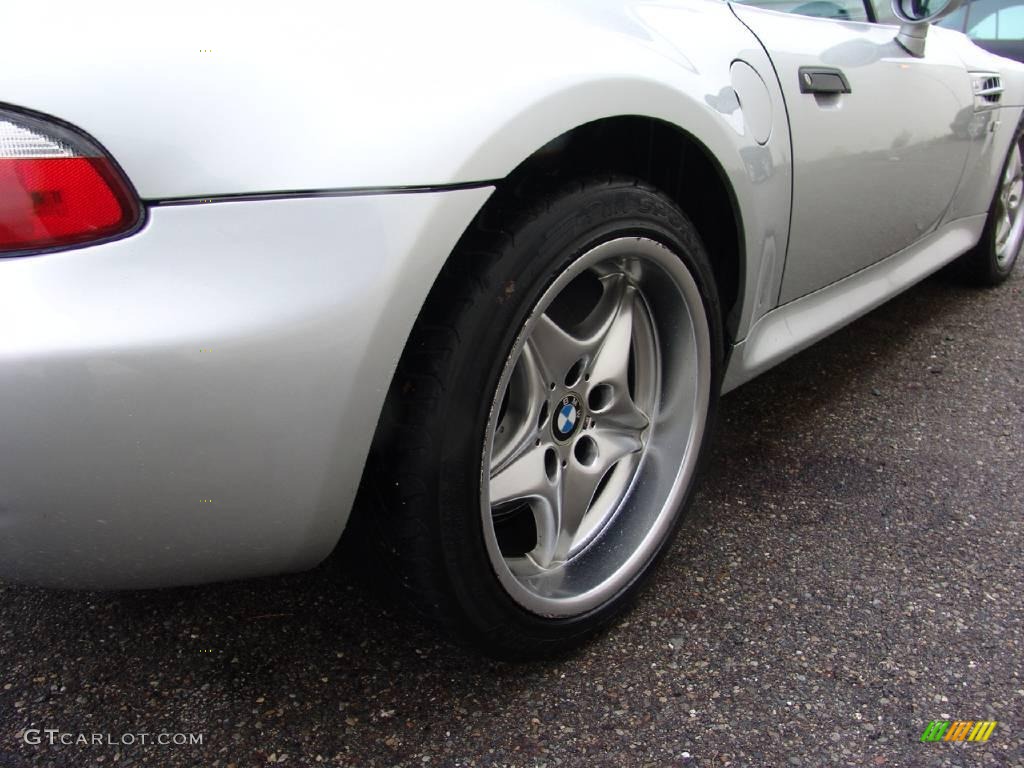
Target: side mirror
<point x="915" y="16"/>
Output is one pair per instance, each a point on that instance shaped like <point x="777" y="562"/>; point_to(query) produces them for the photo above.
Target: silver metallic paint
<point x="798" y="324"/>
<point x="878" y="166"/>
<point x="196" y="402"/>
<point x="378" y="95"/>
<point x="240" y="352"/>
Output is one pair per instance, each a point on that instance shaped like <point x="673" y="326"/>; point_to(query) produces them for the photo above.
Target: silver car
<point x="492" y="263"/>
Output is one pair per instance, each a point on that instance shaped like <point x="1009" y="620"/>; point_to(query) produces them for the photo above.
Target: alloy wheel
<point x="595" y="427"/>
<point x="1010" y="223"/>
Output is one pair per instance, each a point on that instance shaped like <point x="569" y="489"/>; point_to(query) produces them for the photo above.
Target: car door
<point x="876" y="160"/>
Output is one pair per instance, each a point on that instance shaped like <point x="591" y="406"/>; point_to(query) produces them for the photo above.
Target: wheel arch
<point x="654" y="150"/>
<point x="664" y="155"/>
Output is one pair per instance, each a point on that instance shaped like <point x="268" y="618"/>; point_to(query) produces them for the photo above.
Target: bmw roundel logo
<point x="568" y="416"/>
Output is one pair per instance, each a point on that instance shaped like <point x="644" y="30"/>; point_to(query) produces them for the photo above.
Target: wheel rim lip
<point x="630" y="563"/>
<point x="1006" y="249"/>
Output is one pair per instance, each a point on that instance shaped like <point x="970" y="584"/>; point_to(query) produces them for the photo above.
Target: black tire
<point x="982" y="265"/>
<point x="426" y="461"/>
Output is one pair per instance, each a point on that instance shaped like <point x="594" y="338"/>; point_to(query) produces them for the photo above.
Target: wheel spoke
<point x="623" y="414"/>
<point x="546" y="515"/>
<point x="578" y="486"/>
<point x="554" y="350"/>
<point x="1013" y="195"/>
<point x="522" y="418"/>
<point x="533" y="375"/>
<point x="1013" y="181"/>
<point x="603" y="336"/>
<point x="1003" y="229"/>
<point x="615" y="411"/>
<point x="611" y="359"/>
<point x="523" y="478"/>
<point x="534" y="478"/>
<point x="615" y="444"/>
<point x="1014" y="170"/>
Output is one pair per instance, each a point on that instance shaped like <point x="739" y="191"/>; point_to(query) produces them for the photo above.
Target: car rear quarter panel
<point x="195" y="403"/>
<point x="118" y="425"/>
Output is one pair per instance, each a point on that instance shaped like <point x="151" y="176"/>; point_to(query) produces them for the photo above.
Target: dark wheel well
<point x="662" y="155"/>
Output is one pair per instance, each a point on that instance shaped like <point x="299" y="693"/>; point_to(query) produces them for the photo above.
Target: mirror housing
<point x="915" y="16"/>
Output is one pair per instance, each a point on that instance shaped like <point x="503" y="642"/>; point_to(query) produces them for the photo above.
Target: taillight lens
<point x="57" y="187"/>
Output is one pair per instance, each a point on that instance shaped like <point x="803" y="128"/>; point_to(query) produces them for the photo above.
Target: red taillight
<point x="57" y="187"/>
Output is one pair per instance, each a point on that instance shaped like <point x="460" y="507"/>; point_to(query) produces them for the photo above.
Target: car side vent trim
<point x="988" y="89"/>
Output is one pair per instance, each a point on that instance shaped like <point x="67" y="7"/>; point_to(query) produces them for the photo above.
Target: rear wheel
<point x="549" y="417"/>
<point x="993" y="259"/>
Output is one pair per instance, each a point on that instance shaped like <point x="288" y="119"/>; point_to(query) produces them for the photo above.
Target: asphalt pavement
<point x="851" y="571"/>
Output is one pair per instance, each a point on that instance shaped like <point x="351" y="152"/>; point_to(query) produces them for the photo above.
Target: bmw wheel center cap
<point x="568" y="417"/>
